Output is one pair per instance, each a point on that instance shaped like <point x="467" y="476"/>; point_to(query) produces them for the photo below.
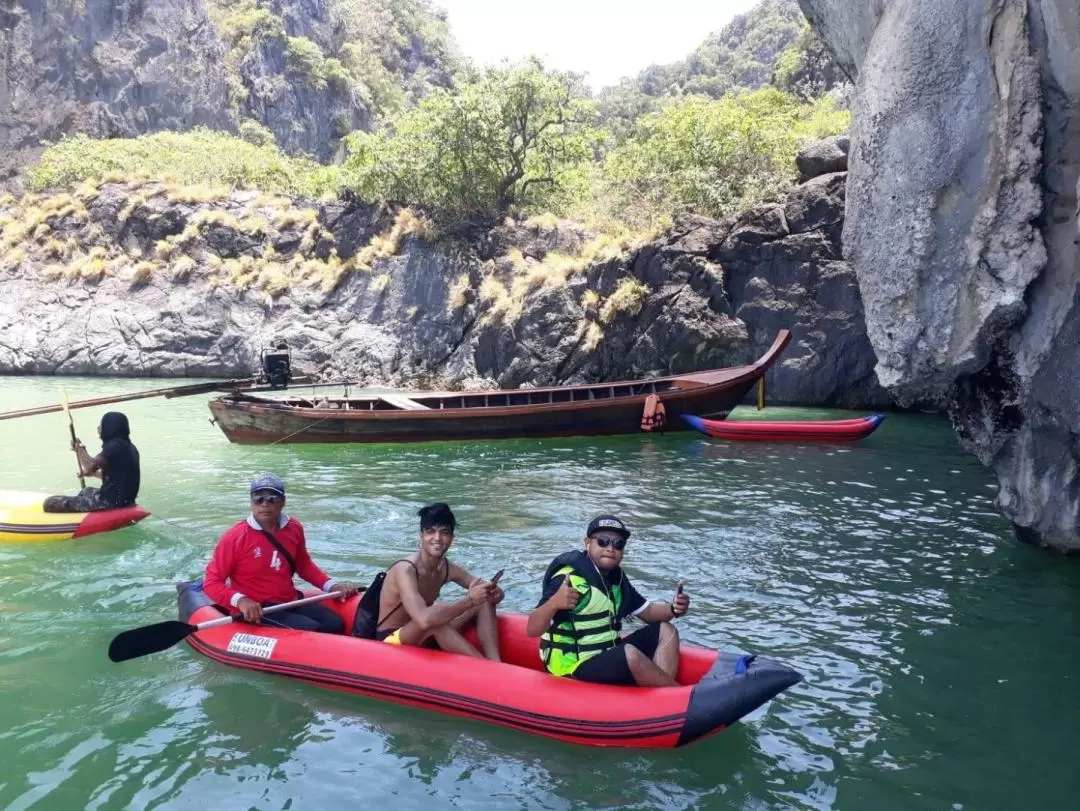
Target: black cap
<point x="607" y="522"/>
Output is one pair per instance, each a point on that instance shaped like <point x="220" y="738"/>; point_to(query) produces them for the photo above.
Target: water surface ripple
<point x="940" y="656"/>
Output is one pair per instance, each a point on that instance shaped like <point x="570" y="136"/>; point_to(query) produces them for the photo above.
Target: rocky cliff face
<point x="105" y="67"/>
<point x="140" y="279"/>
<point x="310" y="71"/>
<point x="962" y="225"/>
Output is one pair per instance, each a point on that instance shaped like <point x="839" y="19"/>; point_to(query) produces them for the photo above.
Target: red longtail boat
<point x="787" y="430"/>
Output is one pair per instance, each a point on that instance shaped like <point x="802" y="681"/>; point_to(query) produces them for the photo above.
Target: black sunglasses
<point x="617" y="543"/>
<point x="268" y="499"/>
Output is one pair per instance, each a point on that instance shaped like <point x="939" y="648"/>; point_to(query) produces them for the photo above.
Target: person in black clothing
<point x="117" y="465"/>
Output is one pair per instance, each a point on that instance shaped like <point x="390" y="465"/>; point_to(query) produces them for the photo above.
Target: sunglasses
<point x="268" y="499"/>
<point x="604" y="541"/>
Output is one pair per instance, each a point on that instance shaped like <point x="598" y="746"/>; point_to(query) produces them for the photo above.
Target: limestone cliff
<point x="962" y="225"/>
<point x="145" y="279"/>
<point x="104" y="67"/>
<point x="305" y="72"/>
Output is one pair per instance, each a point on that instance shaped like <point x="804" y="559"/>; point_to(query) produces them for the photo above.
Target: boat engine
<point x="277" y="366"/>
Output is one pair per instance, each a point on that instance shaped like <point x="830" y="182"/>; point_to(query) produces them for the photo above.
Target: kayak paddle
<point x="162" y="635"/>
<point x="74" y="440"/>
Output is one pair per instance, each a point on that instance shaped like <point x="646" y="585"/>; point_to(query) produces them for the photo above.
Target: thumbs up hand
<point x="566" y="598"/>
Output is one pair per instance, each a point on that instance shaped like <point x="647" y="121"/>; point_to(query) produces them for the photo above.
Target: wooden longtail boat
<point x="595" y="409"/>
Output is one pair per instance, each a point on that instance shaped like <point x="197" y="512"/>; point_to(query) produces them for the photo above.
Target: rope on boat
<point x="287" y="436"/>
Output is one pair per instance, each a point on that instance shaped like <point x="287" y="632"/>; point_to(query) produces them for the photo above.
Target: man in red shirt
<point x="254" y="563"/>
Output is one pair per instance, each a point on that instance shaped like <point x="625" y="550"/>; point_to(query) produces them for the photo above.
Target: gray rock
<point x="532" y="240"/>
<point x="846" y="27"/>
<point x="122" y="68"/>
<point x="800" y="280"/>
<point x="108" y="68"/>
<point x="962" y="227"/>
<point x="305" y="116"/>
<point x="823" y="157"/>
<point x="705" y="294"/>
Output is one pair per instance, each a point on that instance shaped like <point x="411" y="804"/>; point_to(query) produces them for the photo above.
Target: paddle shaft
<point x="174" y="391"/>
<point x="269" y="610"/>
<point x="148" y="639"/>
<point x="74" y="439"/>
<point x="247" y="384"/>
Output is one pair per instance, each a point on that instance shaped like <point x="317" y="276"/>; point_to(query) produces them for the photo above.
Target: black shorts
<point x="611" y="667"/>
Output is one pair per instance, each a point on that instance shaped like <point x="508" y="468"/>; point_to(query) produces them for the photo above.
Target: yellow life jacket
<point x="593" y="625"/>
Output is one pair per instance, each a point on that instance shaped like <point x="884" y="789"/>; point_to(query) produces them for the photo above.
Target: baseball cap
<point x="608" y="522"/>
<point x="268" y="481"/>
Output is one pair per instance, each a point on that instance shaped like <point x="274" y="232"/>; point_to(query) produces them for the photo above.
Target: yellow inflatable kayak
<point x="22" y="519"/>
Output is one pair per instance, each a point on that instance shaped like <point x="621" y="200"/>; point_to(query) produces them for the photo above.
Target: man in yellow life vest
<point x="585" y="598"/>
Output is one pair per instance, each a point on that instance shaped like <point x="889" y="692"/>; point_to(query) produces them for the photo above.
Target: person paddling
<point x="117" y="465"/>
<point x="254" y="562"/>
<point x="585" y="597"/>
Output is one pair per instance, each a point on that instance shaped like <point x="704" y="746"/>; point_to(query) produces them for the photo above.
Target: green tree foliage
<point x="510" y="138"/>
<point x="408" y="41"/>
<point x="389" y="52"/>
<point x="200" y="156"/>
<point x="741" y="55"/>
<point x="715" y="157"/>
<point x="255" y="133"/>
<point x="806" y="68"/>
<point x="306" y="61"/>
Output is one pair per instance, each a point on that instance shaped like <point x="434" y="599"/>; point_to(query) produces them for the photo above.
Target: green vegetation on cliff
<point x="385" y="54"/>
<point x="708" y="135"/>
<point x="517" y="140"/>
<point x="715" y="157"/>
<point x="199" y="157"/>
<point x="524" y="141"/>
<point x="513" y="138"/>
<point x="743" y="55"/>
<point x="806" y="68"/>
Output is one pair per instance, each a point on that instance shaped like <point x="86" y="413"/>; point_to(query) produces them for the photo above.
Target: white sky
<point x="607" y="39"/>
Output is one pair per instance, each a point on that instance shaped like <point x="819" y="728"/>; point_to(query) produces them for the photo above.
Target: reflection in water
<point x="938" y="654"/>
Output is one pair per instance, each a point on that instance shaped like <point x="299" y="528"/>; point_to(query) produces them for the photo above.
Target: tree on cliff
<point x="714" y="157"/>
<point x="741" y="55"/>
<point x="508" y="138"/>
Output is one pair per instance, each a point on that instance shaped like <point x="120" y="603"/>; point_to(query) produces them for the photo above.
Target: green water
<point x="941" y="657"/>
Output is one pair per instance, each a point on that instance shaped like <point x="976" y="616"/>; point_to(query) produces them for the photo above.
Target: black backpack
<point x="366" y="619"/>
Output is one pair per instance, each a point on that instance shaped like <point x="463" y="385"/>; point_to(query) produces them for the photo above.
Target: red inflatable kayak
<point x="716" y="689"/>
<point x="788" y="430"/>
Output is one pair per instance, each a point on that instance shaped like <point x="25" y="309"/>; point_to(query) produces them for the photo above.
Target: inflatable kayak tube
<point x="715" y="690"/>
<point x="788" y="431"/>
<point x="22" y="519"/>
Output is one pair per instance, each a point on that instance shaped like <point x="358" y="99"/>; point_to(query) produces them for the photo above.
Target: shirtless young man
<point x="408" y="611"/>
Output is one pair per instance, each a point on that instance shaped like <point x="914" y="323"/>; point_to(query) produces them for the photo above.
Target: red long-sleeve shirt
<point x="254" y="568"/>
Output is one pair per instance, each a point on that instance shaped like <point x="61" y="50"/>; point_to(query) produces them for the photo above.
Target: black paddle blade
<point x="148" y="639"/>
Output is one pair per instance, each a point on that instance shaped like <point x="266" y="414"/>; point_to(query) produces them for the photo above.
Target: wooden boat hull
<point x="787" y="430"/>
<point x="22" y="519"/>
<point x="507" y="414"/>
<point x="715" y="689"/>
